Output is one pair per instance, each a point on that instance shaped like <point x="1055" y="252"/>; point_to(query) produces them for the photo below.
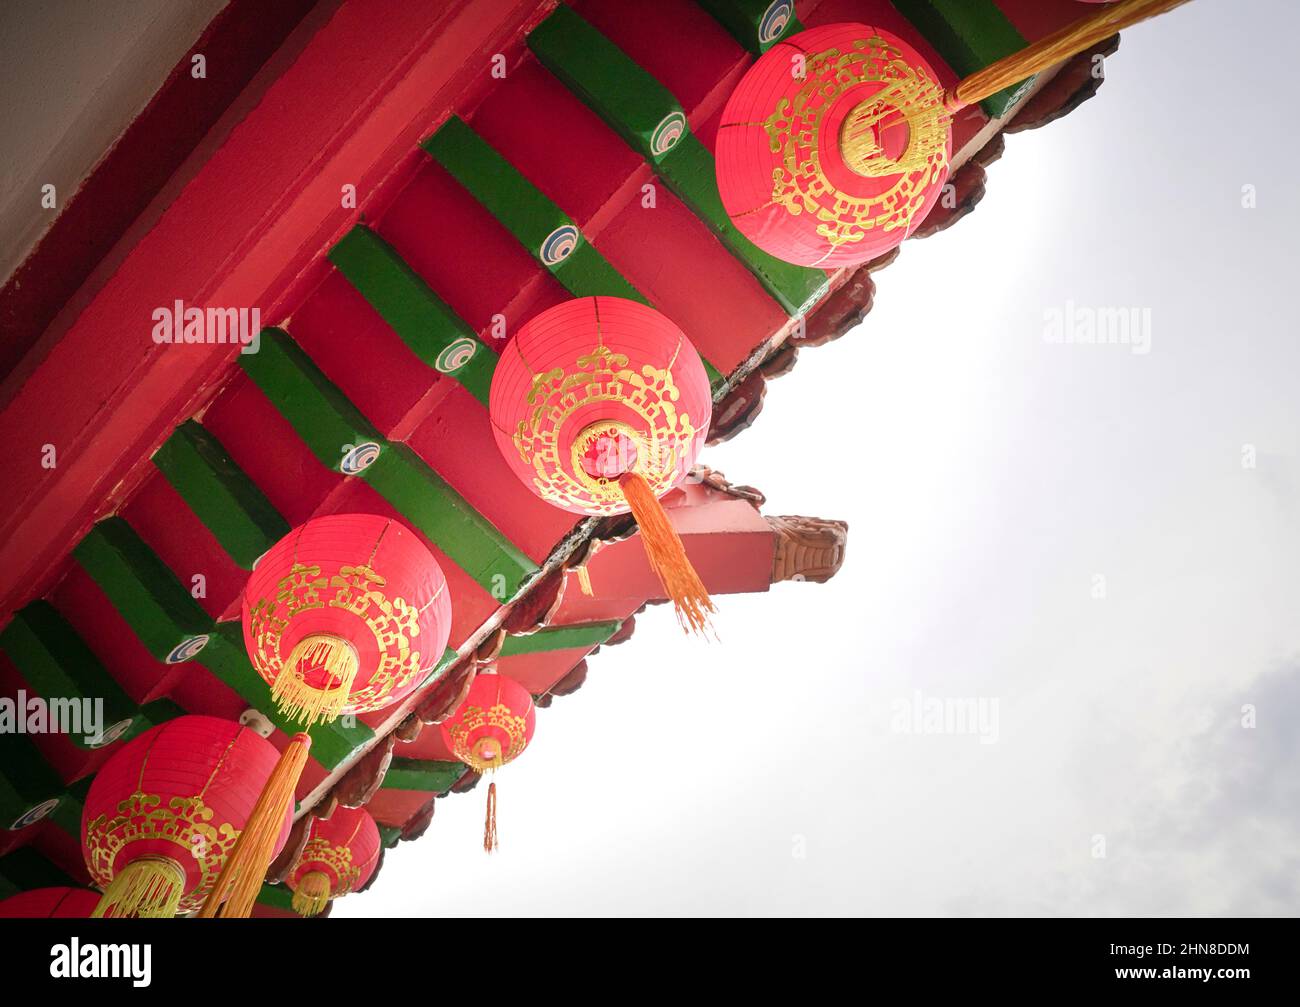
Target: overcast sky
<point x="1099" y="544"/>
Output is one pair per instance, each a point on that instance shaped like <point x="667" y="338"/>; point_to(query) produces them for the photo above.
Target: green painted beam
<point x="641" y="110"/>
<point x="148" y="597"/>
<point x="969" y="35"/>
<point x="433" y="331"/>
<point x="55" y="661"/>
<point x="67" y="816"/>
<point x="24" y="869"/>
<point x="390" y="835"/>
<point x="162" y="613"/>
<point x="545" y="230"/>
<point x="427" y="775"/>
<point x="276" y="897"/>
<point x="588" y="634"/>
<point x="228" y="503"/>
<point x="331" y="426"/>
<point x="326" y="420"/>
<point x="29" y="789"/>
<point x="635" y="105"/>
<point x="441" y="514"/>
<point x="690" y="171"/>
<point x="226" y="658"/>
<point x="525" y="211"/>
<point x="756" y="24"/>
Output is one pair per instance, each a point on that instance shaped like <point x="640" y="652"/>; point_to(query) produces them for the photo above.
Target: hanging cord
<point x="667" y="556"/>
<point x="1055" y="48"/>
<point x="245" y="868"/>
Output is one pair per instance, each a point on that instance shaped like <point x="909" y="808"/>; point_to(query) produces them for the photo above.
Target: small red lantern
<point x="163" y="814"/>
<point x="601" y="405"/>
<point x="339" y="857"/>
<point x="346" y="614"/>
<point x="834" y="146"/>
<point x="490" y="728"/>
<point x="51" y="903"/>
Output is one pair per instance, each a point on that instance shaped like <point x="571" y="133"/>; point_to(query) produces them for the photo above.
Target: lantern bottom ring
<point x="487" y="754"/>
<point x="606" y="450"/>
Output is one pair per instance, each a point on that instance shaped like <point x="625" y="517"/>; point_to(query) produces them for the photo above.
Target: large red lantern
<point x="51" y="903"/>
<point x="346" y="614"/>
<point x="490" y="728"/>
<point x="834" y="146"/>
<point x="601" y="405"/>
<point x="164" y="813"/>
<point x="836" y="143"/>
<point x="340" y="856"/>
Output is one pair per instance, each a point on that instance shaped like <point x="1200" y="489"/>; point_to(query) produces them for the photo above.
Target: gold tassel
<point x="490" y="824"/>
<point x="245" y="869"/>
<point x="309" y="704"/>
<point x="312" y="894"/>
<point x="148" y="888"/>
<point x="667" y="555"/>
<point x="1055" y="48"/>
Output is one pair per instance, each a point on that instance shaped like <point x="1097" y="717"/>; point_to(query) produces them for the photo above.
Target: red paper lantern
<point x="490" y="728"/>
<point x="164" y="812"/>
<point x="600" y="405"/>
<point x="51" y="903"/>
<point x="836" y="143"/>
<point x="834" y="146"/>
<point x="594" y="388"/>
<point x="346" y="614"/>
<point x="340" y="856"/>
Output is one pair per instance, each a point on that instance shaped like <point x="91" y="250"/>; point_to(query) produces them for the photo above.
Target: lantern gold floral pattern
<point x="834" y="146"/>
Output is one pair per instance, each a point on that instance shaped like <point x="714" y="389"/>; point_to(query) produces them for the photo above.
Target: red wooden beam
<point x="236" y="44"/>
<point x="263" y="205"/>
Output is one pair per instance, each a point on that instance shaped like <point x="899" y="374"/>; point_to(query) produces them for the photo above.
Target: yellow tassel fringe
<point x="312" y="894"/>
<point x="245" y="869"/>
<point x="316" y="654"/>
<point x="667" y="556"/>
<point x="1055" y="48"/>
<point x="148" y="888"/>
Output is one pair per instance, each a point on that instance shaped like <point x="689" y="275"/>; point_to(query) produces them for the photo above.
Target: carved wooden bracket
<point x="360" y="782"/>
<point x="418" y="823"/>
<point x="569" y="684"/>
<point x="841" y="311"/>
<point x="409" y="730"/>
<point x="738" y="409"/>
<point x="808" y="548"/>
<point x="716" y="480"/>
<point x="447" y="695"/>
<point x="1077" y="81"/>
